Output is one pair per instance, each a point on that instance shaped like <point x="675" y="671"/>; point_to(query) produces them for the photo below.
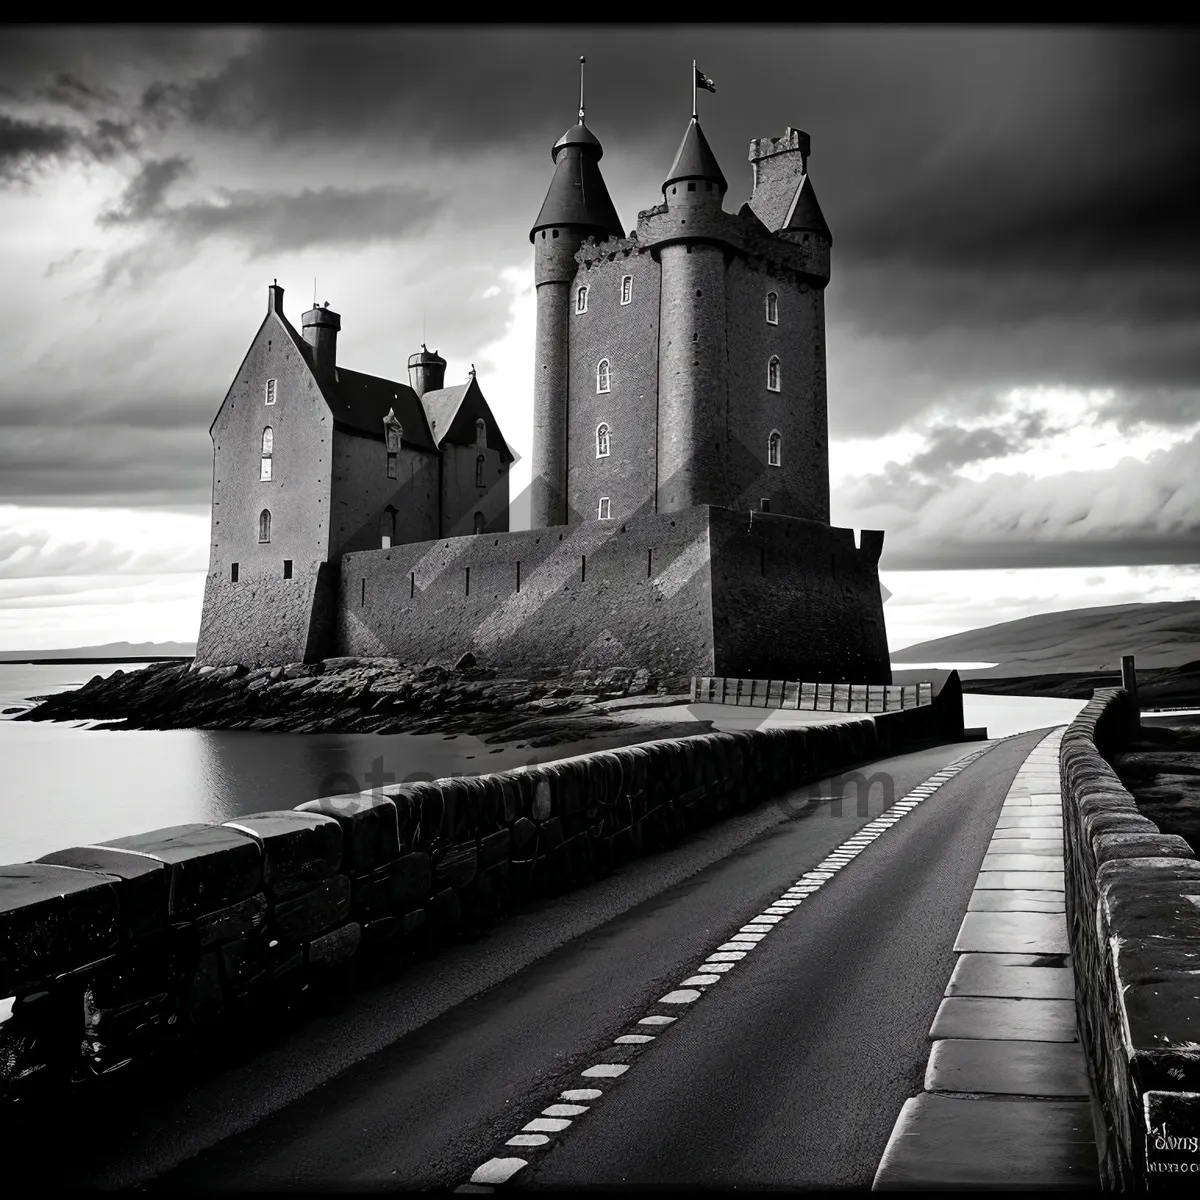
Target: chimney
<point x="321" y="327"/>
<point x="426" y="371"/>
<point x="778" y="163"/>
<point x="275" y="298"/>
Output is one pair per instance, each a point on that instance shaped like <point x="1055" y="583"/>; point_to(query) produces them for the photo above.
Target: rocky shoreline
<point x="359" y="695"/>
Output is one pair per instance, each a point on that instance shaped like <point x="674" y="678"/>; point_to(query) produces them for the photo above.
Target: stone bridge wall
<point x="140" y="949"/>
<point x="1132" y="897"/>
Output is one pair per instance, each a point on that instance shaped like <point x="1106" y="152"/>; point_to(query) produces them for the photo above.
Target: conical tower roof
<point x="577" y="194"/>
<point x="695" y="160"/>
<point x="805" y="213"/>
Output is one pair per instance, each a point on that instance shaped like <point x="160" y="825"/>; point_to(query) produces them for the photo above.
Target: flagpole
<point x="693" y="89"/>
<point x="582" y="60"/>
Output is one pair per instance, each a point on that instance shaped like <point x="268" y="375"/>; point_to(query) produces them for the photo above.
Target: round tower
<point x="577" y="206"/>
<point x="320" y="328"/>
<point x="426" y="371"/>
<point x="693" y="376"/>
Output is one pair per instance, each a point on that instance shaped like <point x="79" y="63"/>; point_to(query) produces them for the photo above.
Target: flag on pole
<point x="704" y="82"/>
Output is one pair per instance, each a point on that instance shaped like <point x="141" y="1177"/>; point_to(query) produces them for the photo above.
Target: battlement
<point x="792" y="140"/>
<point x="608" y="250"/>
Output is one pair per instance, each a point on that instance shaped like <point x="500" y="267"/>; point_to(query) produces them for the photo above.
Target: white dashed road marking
<point x="558" y="1117"/>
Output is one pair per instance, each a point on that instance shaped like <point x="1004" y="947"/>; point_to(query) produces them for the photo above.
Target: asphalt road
<point x="790" y="1072"/>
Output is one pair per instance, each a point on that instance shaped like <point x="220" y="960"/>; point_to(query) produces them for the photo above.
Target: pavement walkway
<point x="1006" y="1101"/>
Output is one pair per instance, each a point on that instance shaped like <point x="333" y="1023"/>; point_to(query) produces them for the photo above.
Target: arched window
<point x="602" y="432"/>
<point x="479" y="463"/>
<point x="772" y="308"/>
<point x="773" y="374"/>
<point x="581" y="300"/>
<point x="387" y="527"/>
<point x="602" y="375"/>
<point x="268" y="452"/>
<point x="264" y="525"/>
<point x="271" y="390"/>
<point x="626" y="288"/>
<point x="774" y="449"/>
<point x="605" y="509"/>
<point x="479" y="522"/>
<point x="480" y="432"/>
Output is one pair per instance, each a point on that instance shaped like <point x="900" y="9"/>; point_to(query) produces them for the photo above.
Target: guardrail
<point x="811" y="697"/>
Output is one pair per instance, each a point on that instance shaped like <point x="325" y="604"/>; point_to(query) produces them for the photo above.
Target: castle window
<point x="602" y="375"/>
<point x="479" y="522"/>
<point x="268" y="453"/>
<point x="605" y="510"/>
<point x="481" y="432"/>
<point x="387" y="527"/>
<point x="233" y="572"/>
<point x="774" y="449"/>
<point x="391" y="465"/>
<point x="773" y="374"/>
<point x="479" y="462"/>
<point x="581" y="300"/>
<point x="626" y="288"/>
<point x="602" y="432"/>
<point x="264" y="525"/>
<point x="691" y="187"/>
<point x="287" y="568"/>
<point x="271" y="390"/>
<point x="772" y="308"/>
<point x="764" y="505"/>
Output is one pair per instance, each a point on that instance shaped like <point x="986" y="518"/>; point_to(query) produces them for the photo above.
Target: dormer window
<point x="626" y="288"/>
<point x="602" y="375"/>
<point x="387" y="527"/>
<point x="268" y="454"/>
<point x="392" y="432"/>
<point x="581" y="300"/>
<point x="602" y="432"/>
<point x="479" y="464"/>
<point x="264" y="525"/>
<point x="271" y="389"/>
<point x="772" y="308"/>
<point x="774" y="449"/>
<point x="773" y="374"/>
<point x="481" y="432"/>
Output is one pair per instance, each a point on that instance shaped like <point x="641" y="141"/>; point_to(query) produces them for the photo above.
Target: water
<point x="67" y="784"/>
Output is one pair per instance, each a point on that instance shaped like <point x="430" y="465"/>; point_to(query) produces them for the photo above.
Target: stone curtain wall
<point x="131" y="952"/>
<point x="1131" y="898"/>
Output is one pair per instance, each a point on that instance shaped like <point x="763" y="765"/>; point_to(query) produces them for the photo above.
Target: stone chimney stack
<point x="321" y="327"/>
<point x="426" y="371"/>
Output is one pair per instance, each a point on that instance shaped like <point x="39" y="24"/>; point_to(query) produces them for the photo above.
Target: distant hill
<point x="1078" y="640"/>
<point x="131" y="650"/>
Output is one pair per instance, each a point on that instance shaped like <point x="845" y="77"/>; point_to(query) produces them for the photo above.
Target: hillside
<point x="1078" y="640"/>
<point x="111" y="651"/>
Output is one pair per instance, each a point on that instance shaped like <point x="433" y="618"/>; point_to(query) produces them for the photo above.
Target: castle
<point x="680" y="476"/>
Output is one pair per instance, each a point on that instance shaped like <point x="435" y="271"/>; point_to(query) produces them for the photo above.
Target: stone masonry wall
<point x="796" y="599"/>
<point x="598" y="594"/>
<point x="1134" y="926"/>
<point x="144" y="949"/>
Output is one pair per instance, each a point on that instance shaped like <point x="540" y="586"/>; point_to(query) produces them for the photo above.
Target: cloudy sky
<point x="1013" y="322"/>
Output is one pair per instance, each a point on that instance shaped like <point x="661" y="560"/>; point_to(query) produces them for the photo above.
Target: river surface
<point x="65" y="784"/>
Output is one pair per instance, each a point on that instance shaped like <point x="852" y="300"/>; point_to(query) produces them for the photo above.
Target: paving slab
<point x="1015" y="976"/>
<point x="947" y="1143"/>
<point x="1039" y="822"/>
<point x="1028" y="861"/>
<point x="1049" y="881"/>
<point x="1013" y="932"/>
<point x="1001" y="843"/>
<point x="1005" y="1018"/>
<point x="1007" y="1068"/>
<point x="1016" y="900"/>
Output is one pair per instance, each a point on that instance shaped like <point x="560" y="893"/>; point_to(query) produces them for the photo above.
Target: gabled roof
<point x="445" y="406"/>
<point x="695" y="159"/>
<point x="360" y="402"/>
<point x="805" y="212"/>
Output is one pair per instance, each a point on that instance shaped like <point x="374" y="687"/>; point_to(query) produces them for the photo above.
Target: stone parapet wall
<point x="1133" y="915"/>
<point x="797" y="696"/>
<point x="135" y="952"/>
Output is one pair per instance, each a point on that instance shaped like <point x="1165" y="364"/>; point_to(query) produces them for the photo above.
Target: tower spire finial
<point x="582" y="60"/>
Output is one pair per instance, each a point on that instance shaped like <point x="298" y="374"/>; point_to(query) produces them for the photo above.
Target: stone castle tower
<point x="680" y="482"/>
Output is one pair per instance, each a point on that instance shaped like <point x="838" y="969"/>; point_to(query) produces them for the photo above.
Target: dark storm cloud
<point x="27" y="147"/>
<point x="952" y="446"/>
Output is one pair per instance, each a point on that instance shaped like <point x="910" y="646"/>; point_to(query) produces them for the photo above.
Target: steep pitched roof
<point x="451" y="411"/>
<point x="360" y="402"/>
<point x="805" y="212"/>
<point x="695" y="159"/>
<point x="577" y="195"/>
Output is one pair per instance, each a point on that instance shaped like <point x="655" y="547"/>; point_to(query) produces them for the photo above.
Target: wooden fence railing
<point x="811" y="697"/>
